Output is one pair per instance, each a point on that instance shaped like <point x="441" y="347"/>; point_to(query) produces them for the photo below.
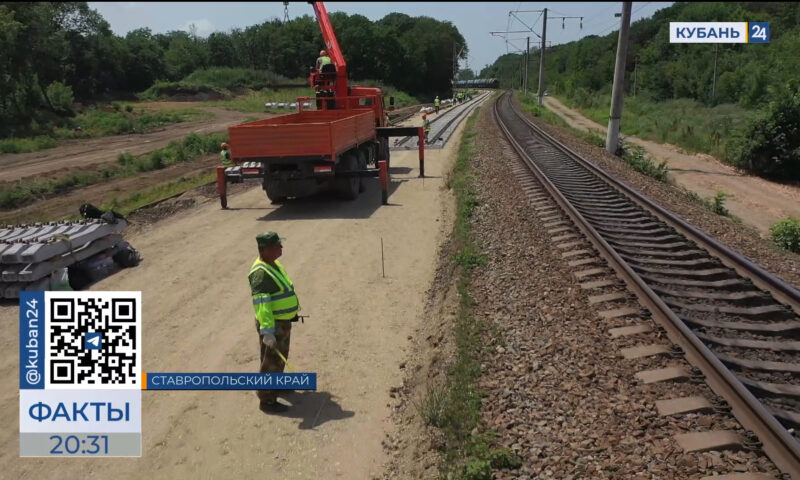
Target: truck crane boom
<point x="332" y="47"/>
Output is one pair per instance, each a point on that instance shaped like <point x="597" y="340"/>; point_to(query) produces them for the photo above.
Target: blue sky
<point x="474" y="19"/>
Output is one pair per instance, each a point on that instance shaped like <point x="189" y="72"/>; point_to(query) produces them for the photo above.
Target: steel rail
<point x="451" y="112"/>
<point x="777" y="443"/>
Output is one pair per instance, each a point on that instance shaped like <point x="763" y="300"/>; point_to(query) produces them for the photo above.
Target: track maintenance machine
<point x="333" y="147"/>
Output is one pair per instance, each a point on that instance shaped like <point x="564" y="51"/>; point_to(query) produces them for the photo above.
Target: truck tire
<point x="347" y="187"/>
<point x="272" y="190"/>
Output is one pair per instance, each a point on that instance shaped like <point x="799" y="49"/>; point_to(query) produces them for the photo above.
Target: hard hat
<point x="322" y="53"/>
<point x="424" y="115"/>
<point x="224" y="145"/>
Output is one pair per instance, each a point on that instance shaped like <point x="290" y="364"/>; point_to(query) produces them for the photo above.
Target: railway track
<point x="729" y="318"/>
<point x="442" y="126"/>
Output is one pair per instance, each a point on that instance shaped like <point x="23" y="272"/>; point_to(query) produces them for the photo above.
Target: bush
<point x="636" y="157"/>
<point x="60" y="96"/>
<point x="717" y="203"/>
<point x="786" y="234"/>
<point x="478" y="470"/>
<point x="505" y="458"/>
<point x="770" y="145"/>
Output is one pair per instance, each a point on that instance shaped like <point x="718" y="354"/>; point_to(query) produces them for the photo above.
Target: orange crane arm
<point x="332" y="47"/>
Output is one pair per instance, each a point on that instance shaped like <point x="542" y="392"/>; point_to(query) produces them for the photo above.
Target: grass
<point x="468" y="450"/>
<point x="99" y="123"/>
<point x="112" y="119"/>
<point x="689" y="124"/>
<point x="159" y="192"/>
<point x="188" y="149"/>
<point x="25" y="145"/>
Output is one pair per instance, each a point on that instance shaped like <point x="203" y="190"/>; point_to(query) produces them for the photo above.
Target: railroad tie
<point x="679" y="406"/>
<point x="705" y="441"/>
<point x="663" y="374"/>
<point x="644" y="351"/>
<point x="629" y="330"/>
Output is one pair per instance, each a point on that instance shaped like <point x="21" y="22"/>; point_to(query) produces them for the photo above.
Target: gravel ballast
<point x="558" y="392"/>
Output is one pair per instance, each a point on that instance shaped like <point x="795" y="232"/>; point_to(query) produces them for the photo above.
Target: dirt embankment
<point x="756" y="201"/>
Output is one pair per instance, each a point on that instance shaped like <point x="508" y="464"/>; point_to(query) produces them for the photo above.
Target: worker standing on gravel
<point x="276" y="307"/>
<point x="426" y="125"/>
<point x="436" y="103"/>
<point x="226" y="155"/>
<point x="323" y="59"/>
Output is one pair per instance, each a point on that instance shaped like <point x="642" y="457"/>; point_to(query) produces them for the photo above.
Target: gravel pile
<point x="557" y="390"/>
<point x="739" y="237"/>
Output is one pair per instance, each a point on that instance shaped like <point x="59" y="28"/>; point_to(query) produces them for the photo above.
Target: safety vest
<point x="324" y="60"/>
<point x="282" y="305"/>
<point x="226" y="158"/>
<point x="436" y="101"/>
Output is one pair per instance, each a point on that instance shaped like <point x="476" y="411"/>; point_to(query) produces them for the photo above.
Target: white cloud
<point x="204" y="27"/>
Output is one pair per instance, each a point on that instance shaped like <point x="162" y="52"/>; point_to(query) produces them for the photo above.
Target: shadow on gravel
<point x="315" y="408"/>
<point x="328" y="205"/>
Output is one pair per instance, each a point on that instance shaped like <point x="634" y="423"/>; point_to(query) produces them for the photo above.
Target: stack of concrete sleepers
<point x="29" y="254"/>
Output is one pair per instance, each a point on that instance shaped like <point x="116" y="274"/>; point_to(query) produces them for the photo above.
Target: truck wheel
<point x="347" y="187"/>
<point x="272" y="193"/>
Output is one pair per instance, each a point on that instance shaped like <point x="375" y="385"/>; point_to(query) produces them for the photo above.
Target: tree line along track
<point x="731" y="319"/>
<point x="443" y="125"/>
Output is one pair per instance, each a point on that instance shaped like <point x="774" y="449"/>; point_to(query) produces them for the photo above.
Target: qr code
<point x="94" y="340"/>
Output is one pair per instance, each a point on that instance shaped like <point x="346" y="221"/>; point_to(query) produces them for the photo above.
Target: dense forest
<point x="52" y="54"/>
<point x="763" y="78"/>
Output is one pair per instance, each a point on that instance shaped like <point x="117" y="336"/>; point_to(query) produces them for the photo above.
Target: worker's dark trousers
<point x="270" y="361"/>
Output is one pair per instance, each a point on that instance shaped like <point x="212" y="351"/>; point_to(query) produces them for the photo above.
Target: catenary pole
<point x="612" y="136"/>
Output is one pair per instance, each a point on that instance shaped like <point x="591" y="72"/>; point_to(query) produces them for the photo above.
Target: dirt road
<point x="80" y="153"/>
<point x="756" y="201"/>
<point x="198" y="317"/>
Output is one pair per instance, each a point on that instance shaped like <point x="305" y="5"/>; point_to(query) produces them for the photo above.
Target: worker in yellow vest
<point x="436" y="103"/>
<point x="225" y="153"/>
<point x="276" y="307"/>
<point x="323" y="59"/>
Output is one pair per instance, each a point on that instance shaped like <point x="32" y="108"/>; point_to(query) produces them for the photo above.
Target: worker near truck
<point x="225" y="153"/>
<point x="276" y="307"/>
<point x="436" y="103"/>
<point x="323" y="59"/>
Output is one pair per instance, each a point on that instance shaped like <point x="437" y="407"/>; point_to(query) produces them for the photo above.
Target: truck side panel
<point x="313" y="133"/>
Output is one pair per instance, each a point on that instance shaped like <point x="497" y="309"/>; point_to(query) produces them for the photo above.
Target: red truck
<point x="334" y="146"/>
